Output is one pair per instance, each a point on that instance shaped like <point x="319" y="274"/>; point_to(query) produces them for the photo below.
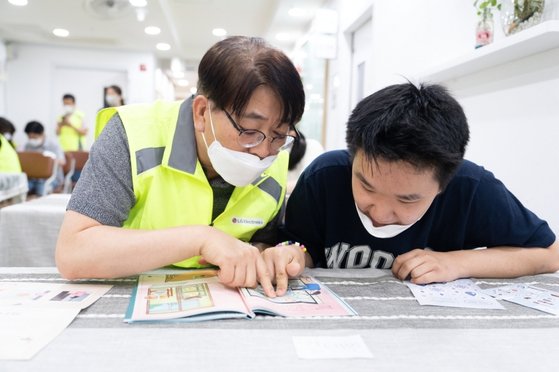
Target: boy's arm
<point x="424" y="266"/>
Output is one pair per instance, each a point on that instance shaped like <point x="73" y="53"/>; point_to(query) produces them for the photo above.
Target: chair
<point x="75" y="161"/>
<point x="38" y="166"/>
<point x="68" y="169"/>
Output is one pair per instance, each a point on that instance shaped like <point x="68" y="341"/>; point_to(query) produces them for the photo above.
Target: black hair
<point x="233" y="68"/>
<point x="34" y="127"/>
<point x="6" y="126"/>
<point x="69" y="96"/>
<point x="421" y="125"/>
<point x="298" y="150"/>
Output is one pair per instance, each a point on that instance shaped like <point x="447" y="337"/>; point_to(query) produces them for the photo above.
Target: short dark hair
<point x="69" y="96"/>
<point x="34" y="127"/>
<point x="233" y="68"/>
<point x="421" y="125"/>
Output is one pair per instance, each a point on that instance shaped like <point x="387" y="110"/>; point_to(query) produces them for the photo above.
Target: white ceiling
<point x="185" y="24"/>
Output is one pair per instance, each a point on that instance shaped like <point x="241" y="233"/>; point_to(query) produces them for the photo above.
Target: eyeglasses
<point x="249" y="138"/>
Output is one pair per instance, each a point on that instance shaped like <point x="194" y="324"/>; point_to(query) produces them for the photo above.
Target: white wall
<point x="30" y="86"/>
<point x="513" y="109"/>
<point x="3" y="57"/>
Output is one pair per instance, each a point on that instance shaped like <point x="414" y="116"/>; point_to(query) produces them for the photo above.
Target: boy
<point x="404" y="198"/>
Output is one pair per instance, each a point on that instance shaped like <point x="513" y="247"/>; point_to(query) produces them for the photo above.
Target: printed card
<point x="458" y="293"/>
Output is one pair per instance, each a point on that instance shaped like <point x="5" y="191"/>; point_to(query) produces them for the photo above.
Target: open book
<point x="186" y="298"/>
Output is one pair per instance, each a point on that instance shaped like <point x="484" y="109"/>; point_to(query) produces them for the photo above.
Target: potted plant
<point x="484" y="28"/>
<point x="518" y="15"/>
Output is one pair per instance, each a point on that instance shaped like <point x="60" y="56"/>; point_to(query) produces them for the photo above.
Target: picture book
<point x="195" y="297"/>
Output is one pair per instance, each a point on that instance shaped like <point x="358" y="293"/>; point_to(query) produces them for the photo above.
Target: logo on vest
<point x="247" y="221"/>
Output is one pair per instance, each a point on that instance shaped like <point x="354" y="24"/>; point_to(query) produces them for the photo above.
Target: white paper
<point x="458" y="293"/>
<point x="506" y="291"/>
<point x="331" y="347"/>
<point x="77" y="296"/>
<point x="525" y="295"/>
<point x="25" y="330"/>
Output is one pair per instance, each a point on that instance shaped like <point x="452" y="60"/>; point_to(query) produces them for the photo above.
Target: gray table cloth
<point x="398" y="331"/>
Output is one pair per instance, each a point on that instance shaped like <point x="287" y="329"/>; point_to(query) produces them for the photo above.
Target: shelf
<point x="534" y="40"/>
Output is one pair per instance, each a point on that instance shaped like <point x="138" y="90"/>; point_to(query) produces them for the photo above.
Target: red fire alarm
<point x="143" y="67"/>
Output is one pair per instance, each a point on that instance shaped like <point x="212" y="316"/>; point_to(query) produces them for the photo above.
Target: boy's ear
<point x="199" y="107"/>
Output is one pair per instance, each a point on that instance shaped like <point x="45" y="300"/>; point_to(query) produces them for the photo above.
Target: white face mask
<point x="235" y="167"/>
<point x="383" y="232"/>
<point x="68" y="109"/>
<point x="112" y="100"/>
<point x="35" y="142"/>
<point x="7" y="136"/>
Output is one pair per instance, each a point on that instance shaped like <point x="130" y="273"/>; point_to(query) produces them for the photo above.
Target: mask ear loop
<point x="211" y="126"/>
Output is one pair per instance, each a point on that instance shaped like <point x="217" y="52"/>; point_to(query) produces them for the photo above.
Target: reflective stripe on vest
<point x="169" y="183"/>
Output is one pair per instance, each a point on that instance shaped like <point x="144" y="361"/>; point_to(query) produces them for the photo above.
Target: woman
<point x="201" y="177"/>
<point x="113" y="96"/>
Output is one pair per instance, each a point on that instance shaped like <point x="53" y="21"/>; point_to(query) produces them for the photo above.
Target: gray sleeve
<point x="104" y="190"/>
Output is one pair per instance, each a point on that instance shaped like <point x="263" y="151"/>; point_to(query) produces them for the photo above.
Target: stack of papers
<point x="465" y="293"/>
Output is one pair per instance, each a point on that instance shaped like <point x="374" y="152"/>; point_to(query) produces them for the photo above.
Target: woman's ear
<point x="199" y="107"/>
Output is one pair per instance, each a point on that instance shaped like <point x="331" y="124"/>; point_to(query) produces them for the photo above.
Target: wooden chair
<point x="38" y="166"/>
<point x="75" y="161"/>
<point x="69" y="169"/>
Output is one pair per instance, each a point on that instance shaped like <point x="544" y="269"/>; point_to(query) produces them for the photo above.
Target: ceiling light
<point x="219" y="32"/>
<point x="163" y="46"/>
<point x="152" y="30"/>
<point x="61" y="32"/>
<point x="138" y="3"/>
<point x="18" y="2"/>
<point x="297" y="12"/>
<point x="141" y="14"/>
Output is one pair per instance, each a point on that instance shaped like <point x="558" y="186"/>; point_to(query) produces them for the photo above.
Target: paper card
<point x="504" y="292"/>
<point x="536" y="298"/>
<point x="77" y="296"/>
<point x="26" y="330"/>
<point x="331" y="347"/>
<point x="459" y="293"/>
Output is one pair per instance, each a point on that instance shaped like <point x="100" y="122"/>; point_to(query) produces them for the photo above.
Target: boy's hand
<point x="284" y="262"/>
<point x="422" y="266"/>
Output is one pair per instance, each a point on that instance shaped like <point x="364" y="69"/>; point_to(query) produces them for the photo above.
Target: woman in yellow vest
<point x="9" y="161"/>
<point x="194" y="182"/>
<point x="71" y="128"/>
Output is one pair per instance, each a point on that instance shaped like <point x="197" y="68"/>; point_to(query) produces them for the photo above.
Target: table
<point x="401" y="334"/>
<point x="13" y="185"/>
<point x="29" y="231"/>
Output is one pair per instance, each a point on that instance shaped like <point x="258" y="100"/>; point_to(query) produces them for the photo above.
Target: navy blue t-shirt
<point x="475" y="210"/>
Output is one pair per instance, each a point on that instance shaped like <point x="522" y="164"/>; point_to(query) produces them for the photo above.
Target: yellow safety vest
<point x="9" y="161"/>
<point x="169" y="183"/>
<point x="69" y="139"/>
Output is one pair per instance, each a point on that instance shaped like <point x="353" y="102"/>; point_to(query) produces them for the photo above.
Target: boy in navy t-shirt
<point x="404" y="198"/>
